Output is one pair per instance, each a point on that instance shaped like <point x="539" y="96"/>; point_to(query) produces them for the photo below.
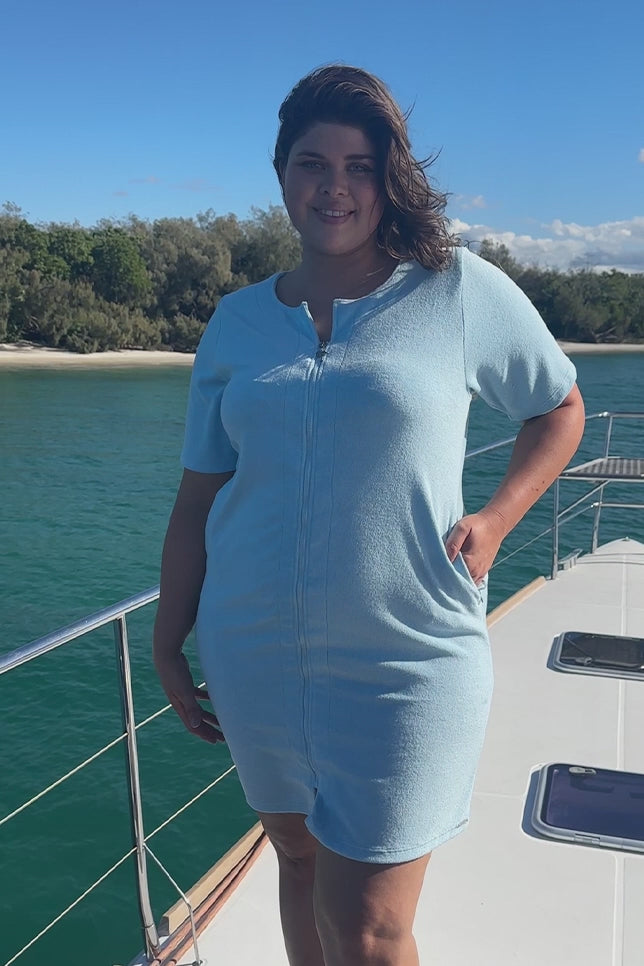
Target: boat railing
<point x="116" y="615"/>
<point x="601" y="471"/>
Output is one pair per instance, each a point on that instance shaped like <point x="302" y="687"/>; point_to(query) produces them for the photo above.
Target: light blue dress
<point x="347" y="659"/>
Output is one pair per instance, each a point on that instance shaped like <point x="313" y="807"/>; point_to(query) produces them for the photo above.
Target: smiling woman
<point x="319" y="542"/>
<point x="334" y="199"/>
<point x="331" y="179"/>
<point x="412" y="222"/>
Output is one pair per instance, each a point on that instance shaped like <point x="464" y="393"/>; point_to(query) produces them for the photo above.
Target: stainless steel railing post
<point x="594" y="543"/>
<point x="554" y="570"/>
<point x="150" y="934"/>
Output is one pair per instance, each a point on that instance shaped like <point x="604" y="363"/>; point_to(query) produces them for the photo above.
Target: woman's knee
<point x="364" y="934"/>
<point x="364" y="911"/>
<point x="296" y="848"/>
<point x="364" y="944"/>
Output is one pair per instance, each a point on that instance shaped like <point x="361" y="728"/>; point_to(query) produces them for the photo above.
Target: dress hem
<point x="374" y="855"/>
<point x="387" y="856"/>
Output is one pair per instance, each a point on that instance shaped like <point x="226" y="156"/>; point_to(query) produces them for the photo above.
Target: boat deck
<point x="498" y="894"/>
<point x="610" y="468"/>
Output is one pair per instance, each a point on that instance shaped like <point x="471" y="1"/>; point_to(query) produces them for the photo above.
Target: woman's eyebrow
<point x="347" y="157"/>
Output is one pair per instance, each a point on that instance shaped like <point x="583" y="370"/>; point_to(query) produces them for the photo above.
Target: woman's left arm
<point x="542" y="449"/>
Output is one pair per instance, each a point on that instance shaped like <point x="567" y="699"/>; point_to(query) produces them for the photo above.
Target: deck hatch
<point x="610" y="655"/>
<point x="588" y="805"/>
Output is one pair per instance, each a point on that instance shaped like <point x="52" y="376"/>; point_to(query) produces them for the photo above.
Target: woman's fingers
<point x="178" y="684"/>
<point x="456" y="538"/>
<point x="481" y="545"/>
<point x="204" y="724"/>
<point x="207" y="727"/>
<point x="208" y="733"/>
<point x="477" y="539"/>
<point x="210" y="718"/>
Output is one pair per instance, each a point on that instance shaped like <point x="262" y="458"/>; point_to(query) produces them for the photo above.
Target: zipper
<point x="315" y="372"/>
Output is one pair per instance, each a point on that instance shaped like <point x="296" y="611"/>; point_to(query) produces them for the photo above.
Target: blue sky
<point x="170" y="108"/>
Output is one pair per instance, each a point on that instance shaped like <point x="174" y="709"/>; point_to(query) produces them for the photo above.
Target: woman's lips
<point x="330" y="216"/>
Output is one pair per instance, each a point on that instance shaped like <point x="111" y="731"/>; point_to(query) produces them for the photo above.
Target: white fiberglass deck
<point x="498" y="895"/>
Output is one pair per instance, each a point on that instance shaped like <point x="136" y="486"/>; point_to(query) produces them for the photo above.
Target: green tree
<point x="144" y="284"/>
<point x="73" y="246"/>
<point x="184" y="333"/>
<point x="499" y="254"/>
<point x="118" y="272"/>
<point x="189" y="268"/>
<point x="269" y="244"/>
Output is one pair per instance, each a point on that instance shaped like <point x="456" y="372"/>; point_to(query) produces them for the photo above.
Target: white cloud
<point x="640" y="156"/>
<point x="470" y="201"/>
<point x="151" y="179"/>
<point x="561" y="245"/>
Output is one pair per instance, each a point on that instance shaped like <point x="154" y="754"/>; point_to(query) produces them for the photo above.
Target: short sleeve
<point x="511" y="358"/>
<point x="206" y="446"/>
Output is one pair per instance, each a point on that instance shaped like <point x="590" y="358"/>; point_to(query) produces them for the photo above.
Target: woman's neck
<point x="352" y="275"/>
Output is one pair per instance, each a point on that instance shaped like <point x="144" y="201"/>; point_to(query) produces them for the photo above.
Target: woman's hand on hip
<point x="178" y="684"/>
<point x="477" y="537"/>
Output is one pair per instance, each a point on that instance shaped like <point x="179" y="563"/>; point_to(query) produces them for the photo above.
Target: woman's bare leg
<point x="296" y="855"/>
<point x="365" y="911"/>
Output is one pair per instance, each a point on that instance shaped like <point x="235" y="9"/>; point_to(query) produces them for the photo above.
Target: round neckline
<point x="388" y="282"/>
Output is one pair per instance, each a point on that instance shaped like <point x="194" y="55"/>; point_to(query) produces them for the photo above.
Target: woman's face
<point x="331" y="189"/>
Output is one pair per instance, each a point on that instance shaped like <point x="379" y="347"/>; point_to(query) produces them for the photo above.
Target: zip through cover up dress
<point x="346" y="658"/>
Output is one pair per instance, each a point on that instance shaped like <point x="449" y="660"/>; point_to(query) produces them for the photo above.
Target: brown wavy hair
<point x="413" y="224"/>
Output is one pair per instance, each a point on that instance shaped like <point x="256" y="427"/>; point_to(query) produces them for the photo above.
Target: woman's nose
<point x="334" y="183"/>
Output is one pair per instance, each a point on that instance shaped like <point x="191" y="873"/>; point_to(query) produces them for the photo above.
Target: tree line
<point x="582" y="305"/>
<point x="133" y="283"/>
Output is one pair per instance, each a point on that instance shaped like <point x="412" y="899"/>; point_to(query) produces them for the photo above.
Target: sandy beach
<point x="25" y="355"/>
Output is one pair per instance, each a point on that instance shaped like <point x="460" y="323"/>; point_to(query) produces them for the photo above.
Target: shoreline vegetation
<point x="130" y="284"/>
<point x="25" y="355"/>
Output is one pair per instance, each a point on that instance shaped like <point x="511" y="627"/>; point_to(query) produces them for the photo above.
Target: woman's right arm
<point x="183" y="567"/>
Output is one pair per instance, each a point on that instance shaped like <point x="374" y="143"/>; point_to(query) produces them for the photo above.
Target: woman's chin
<point x="337" y="247"/>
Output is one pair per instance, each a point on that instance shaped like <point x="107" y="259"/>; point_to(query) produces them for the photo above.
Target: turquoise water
<point x="88" y="473"/>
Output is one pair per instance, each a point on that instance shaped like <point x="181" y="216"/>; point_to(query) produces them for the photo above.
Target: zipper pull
<point x="322" y="349"/>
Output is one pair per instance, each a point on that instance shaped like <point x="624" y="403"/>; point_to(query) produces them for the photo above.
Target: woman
<point x="318" y="538"/>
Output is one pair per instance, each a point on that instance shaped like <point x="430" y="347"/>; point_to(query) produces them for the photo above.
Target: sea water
<point x="88" y="472"/>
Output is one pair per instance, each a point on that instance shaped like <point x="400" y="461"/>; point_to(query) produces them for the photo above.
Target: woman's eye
<point x="356" y="168"/>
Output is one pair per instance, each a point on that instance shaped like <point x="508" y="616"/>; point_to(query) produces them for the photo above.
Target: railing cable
<point x="59" y="781"/>
<point x="70" y="907"/>
<point x="160" y="712"/>
<point x="116" y="615"/>
<point x="522" y="547"/>
<point x="88" y="761"/>
<point x="188" y="804"/>
<point x="193" y="928"/>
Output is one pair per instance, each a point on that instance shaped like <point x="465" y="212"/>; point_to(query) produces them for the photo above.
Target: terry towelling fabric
<point x="346" y="657"/>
